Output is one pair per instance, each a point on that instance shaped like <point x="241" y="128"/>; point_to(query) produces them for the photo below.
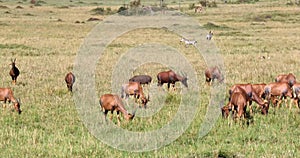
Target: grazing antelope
<point x="209" y="35"/>
<point x="135" y="89"/>
<point x="188" y="42"/>
<point x="259" y="89"/>
<point x="170" y="77"/>
<point x="142" y="79"/>
<point x="112" y="102"/>
<point x="252" y="95"/>
<point x="6" y="94"/>
<point x="14" y="71"/>
<point x="238" y="102"/>
<point x="70" y="79"/>
<point x="213" y="73"/>
<point x="288" y="78"/>
<point x="278" y="89"/>
<point x="225" y="111"/>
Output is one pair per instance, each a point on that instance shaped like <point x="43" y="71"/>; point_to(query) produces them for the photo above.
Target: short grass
<point x="45" y="40"/>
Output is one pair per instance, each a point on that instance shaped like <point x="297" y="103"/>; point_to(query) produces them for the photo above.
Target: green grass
<point x="46" y="47"/>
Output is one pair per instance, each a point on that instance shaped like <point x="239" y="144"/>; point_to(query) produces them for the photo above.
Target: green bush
<point x="192" y="6"/>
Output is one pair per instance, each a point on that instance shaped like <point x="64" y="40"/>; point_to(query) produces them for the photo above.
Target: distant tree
<point x="135" y="3"/>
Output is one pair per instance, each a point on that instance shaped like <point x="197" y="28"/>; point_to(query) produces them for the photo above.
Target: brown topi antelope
<point x="6" y="94"/>
<point x="170" y="77"/>
<point x="252" y="95"/>
<point x="238" y="102"/>
<point x="135" y="89"/>
<point x="213" y="73"/>
<point x="288" y="78"/>
<point x="225" y="111"/>
<point x="142" y="79"/>
<point x="259" y="89"/>
<point x="70" y="79"/>
<point x="14" y="71"/>
<point x="278" y="89"/>
<point x="112" y="102"/>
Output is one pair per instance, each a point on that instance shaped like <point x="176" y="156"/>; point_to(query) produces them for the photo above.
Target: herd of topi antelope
<point x="134" y="87"/>
<point x="240" y="95"/>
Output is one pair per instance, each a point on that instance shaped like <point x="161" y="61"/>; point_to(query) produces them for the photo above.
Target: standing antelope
<point x="14" y="71"/>
<point x="112" y="102"/>
<point x="213" y="73"/>
<point x="6" y="94"/>
<point x="170" y="77"/>
<point x="278" y="89"/>
<point x="70" y="79"/>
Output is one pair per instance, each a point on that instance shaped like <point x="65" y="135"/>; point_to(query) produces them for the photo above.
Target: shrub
<point x="191" y="6"/>
<point x="203" y="3"/>
<point x="98" y="10"/>
<point x="122" y="10"/>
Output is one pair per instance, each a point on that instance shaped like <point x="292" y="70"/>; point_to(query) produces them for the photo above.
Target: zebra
<point x="209" y="36"/>
<point x="188" y="42"/>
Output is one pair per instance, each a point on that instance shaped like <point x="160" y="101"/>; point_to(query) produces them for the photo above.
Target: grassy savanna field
<point x="45" y="40"/>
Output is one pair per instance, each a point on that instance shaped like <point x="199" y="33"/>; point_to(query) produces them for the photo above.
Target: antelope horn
<point x="133" y="113"/>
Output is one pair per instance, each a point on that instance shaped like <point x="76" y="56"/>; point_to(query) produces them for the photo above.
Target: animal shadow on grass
<point x="21" y="84"/>
<point x="247" y="120"/>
